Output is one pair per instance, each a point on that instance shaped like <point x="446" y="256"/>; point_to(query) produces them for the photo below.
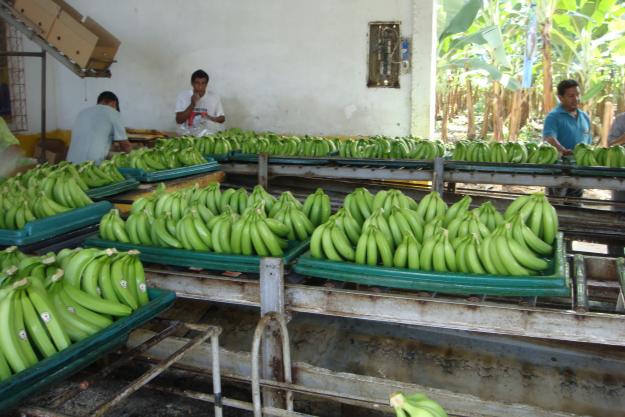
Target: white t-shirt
<point x="208" y="105"/>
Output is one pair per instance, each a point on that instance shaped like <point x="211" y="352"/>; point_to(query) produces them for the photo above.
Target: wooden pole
<point x="606" y="124"/>
<point x="446" y="107"/>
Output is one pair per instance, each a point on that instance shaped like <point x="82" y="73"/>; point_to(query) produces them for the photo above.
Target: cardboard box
<point x="72" y="38"/>
<point x="41" y="13"/>
<point x="104" y="53"/>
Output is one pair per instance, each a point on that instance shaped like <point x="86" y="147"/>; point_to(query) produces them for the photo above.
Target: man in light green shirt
<point x="95" y="130"/>
<point x="10" y="150"/>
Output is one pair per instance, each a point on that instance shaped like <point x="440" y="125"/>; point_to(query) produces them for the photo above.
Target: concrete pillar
<point x="424" y="42"/>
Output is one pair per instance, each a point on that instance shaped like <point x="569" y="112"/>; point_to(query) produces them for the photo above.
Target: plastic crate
<point x="168" y="174"/>
<point x="196" y="259"/>
<point x="112" y="189"/>
<point x="81" y="354"/>
<point x="555" y="282"/>
<point x="47" y="227"/>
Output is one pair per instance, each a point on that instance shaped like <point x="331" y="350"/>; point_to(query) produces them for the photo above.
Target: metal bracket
<point x="437" y="176"/>
<point x="581" y="284"/>
<point x="263" y="168"/>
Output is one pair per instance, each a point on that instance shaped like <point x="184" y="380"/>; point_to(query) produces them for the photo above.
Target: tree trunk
<point x="525" y="109"/>
<point x="446" y="105"/>
<point x="470" y="113"/>
<point x="548" y="99"/>
<point x="497" y="109"/>
<point x="606" y="124"/>
<point x="515" y="114"/>
<point x="437" y="111"/>
<point x="485" y="122"/>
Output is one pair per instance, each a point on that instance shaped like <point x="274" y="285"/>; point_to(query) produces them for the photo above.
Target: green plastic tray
<point x="168" y="174"/>
<point x="47" y="227"/>
<point x="112" y="189"/>
<point x="554" y="283"/>
<point x="81" y="354"/>
<point x="206" y="260"/>
<point x="393" y="163"/>
<point x="218" y="157"/>
<point x="284" y="160"/>
<point x="507" y="167"/>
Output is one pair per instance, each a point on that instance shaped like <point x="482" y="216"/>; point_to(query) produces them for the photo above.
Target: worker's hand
<point x="566" y="152"/>
<point x="195" y="98"/>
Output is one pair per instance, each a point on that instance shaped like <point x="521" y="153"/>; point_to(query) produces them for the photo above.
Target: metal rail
<point x="554" y="319"/>
<point x="407" y="174"/>
<point x="206" y="332"/>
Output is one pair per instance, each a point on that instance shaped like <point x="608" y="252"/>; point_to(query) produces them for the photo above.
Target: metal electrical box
<point x="384" y="54"/>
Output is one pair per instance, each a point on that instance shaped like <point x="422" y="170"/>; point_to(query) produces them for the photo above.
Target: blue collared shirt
<point x="568" y="130"/>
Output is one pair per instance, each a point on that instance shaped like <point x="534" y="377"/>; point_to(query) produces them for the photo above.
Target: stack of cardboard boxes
<point x="80" y="38"/>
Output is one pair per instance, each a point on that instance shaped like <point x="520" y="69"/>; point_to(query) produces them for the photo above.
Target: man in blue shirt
<point x="566" y="126"/>
<point x="95" y="130"/>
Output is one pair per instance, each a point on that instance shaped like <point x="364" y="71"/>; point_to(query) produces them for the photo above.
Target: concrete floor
<point x="582" y="379"/>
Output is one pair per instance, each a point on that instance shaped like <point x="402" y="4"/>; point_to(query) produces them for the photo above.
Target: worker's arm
<point x="553" y="141"/>
<point x="182" y="116"/>
<point x="618" y="141"/>
<point x="217" y="119"/>
<point x="125" y="145"/>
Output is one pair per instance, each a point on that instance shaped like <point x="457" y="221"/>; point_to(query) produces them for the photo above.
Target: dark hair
<point x="565" y="85"/>
<point x="199" y="74"/>
<point x="108" y="96"/>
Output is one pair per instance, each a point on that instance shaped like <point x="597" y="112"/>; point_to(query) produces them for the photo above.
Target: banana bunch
<point x="381" y="147"/>
<point x="489" y="215"/>
<point x="237" y="200"/>
<point x="428" y="150"/>
<point x="402" y="220"/>
<point x="10" y="256"/>
<point x="498" y="152"/>
<point x="254" y="233"/>
<point x="588" y="155"/>
<point x="330" y="241"/>
<point x="359" y="203"/>
<point x="388" y="199"/>
<point x="214" y="145"/>
<point x="316" y="147"/>
<point x="543" y="154"/>
<point x="113" y="227"/>
<point x="512" y="249"/>
<point x="344" y="220"/>
<point x="514" y="152"/>
<point x="259" y="194"/>
<point x="517" y="152"/>
<point x="44" y="308"/>
<point x="407" y="253"/>
<point x="299" y="225"/>
<point x="25" y="199"/>
<point x="373" y="247"/>
<point x="536" y="211"/>
<point x="467" y="224"/>
<point x="158" y="159"/>
<point x="285" y="199"/>
<point x="415" y="405"/>
<point x="457" y="209"/>
<point x="317" y="207"/>
<point x="273" y="144"/>
<point x="99" y="175"/>
<point x="431" y="206"/>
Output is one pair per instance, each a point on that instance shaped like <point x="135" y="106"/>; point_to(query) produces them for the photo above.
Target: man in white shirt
<point x="95" y="129"/>
<point x="199" y="111"/>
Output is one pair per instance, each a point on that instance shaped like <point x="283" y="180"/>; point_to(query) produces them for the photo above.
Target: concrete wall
<point x="287" y="66"/>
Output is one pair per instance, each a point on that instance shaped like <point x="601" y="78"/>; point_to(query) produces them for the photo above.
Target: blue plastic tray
<point x="81" y="354"/>
<point x="48" y="227"/>
<point x="168" y="174"/>
<point x="119" y="187"/>
<point x="206" y="260"/>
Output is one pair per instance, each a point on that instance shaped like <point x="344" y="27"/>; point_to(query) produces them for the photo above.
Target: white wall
<point x="288" y="66"/>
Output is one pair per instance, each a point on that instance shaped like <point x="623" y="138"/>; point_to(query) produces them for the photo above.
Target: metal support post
<point x="263" y="168"/>
<point x="620" y="271"/>
<point x="267" y="320"/>
<point x="437" y="176"/>
<point x="581" y="284"/>
<point x="272" y="301"/>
